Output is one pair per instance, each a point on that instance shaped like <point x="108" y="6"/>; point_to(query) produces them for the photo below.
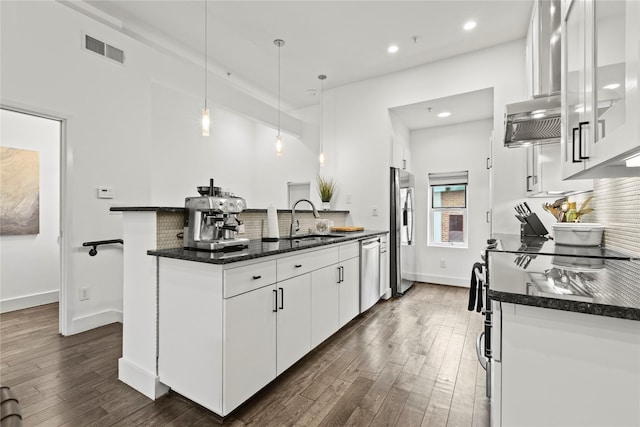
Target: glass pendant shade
<point x="321" y="158"/>
<point x="206" y="122"/>
<point x="279" y="146"/>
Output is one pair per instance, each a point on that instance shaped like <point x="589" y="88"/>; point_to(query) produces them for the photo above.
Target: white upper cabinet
<point x="600" y="87"/>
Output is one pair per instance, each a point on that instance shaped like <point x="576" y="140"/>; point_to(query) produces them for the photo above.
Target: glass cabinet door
<point x="575" y="95"/>
<point x="609" y="75"/>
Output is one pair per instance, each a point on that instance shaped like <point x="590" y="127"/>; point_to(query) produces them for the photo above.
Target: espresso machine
<point x="212" y="223"/>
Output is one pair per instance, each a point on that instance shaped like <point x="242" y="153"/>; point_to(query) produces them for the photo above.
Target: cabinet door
<point x="610" y="78"/>
<point x="533" y="183"/>
<point x="249" y="345"/>
<point x="294" y="320"/>
<point x="574" y="100"/>
<point x="324" y="310"/>
<point x="349" y="291"/>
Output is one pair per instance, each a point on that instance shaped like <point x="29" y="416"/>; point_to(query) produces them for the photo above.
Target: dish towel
<point x="475" y="289"/>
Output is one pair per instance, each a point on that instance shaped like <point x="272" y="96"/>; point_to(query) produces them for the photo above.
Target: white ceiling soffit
<point x="465" y="107"/>
<point x="346" y="40"/>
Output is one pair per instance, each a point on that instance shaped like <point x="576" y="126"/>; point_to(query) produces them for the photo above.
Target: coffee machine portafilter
<point x="212" y="220"/>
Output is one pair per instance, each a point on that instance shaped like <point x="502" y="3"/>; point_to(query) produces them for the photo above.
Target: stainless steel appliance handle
<point x="479" y="346"/>
<point x="410" y="204"/>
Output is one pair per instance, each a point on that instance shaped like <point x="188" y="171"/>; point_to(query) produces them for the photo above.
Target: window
<point x="448" y="216"/>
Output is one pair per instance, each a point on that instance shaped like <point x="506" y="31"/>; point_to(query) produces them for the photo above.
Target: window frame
<point x="464" y="211"/>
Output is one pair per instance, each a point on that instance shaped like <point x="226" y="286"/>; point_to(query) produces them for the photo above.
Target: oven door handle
<point x="479" y="346"/>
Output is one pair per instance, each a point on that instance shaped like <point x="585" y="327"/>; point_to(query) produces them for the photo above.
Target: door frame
<point x="65" y="200"/>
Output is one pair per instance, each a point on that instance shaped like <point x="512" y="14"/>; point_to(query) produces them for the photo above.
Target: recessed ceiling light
<point x="612" y="86"/>
<point x="312" y="92"/>
<point x="469" y="25"/>
<point x="444" y="114"/>
<point x="392" y="49"/>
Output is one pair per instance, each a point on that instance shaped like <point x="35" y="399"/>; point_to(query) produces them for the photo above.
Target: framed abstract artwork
<point x="19" y="191"/>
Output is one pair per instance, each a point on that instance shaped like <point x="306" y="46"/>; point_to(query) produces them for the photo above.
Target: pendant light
<point x="206" y="121"/>
<point x="279" y="144"/>
<point x="322" y="78"/>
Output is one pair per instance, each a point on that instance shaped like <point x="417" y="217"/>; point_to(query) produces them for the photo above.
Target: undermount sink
<point x="314" y="236"/>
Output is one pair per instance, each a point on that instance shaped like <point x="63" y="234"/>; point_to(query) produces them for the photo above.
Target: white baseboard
<point x="439" y="280"/>
<point x="140" y="379"/>
<point x="95" y="320"/>
<point x="28" y="301"/>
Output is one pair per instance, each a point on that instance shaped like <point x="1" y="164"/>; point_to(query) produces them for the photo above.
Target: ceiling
<point x="346" y="40"/>
<point x="464" y="107"/>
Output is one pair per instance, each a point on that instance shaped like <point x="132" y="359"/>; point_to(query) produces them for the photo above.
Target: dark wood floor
<point x="406" y="362"/>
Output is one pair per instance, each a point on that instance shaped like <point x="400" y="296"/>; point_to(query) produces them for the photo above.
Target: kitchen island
<point x="208" y="296"/>
<point x="230" y="323"/>
<point x="565" y="335"/>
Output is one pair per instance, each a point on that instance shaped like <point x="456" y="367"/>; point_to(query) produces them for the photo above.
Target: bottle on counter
<point x="571" y="213"/>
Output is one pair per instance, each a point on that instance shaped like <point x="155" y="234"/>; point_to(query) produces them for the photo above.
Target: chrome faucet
<point x="295" y="224"/>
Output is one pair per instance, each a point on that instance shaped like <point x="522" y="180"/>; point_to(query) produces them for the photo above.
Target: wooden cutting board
<point x="347" y="228"/>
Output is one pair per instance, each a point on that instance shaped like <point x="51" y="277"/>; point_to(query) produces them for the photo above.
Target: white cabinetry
<point x="324" y="294"/>
<point x="544" y="176"/>
<point x="600" y="101"/>
<point x="349" y="298"/>
<point x="249" y="341"/>
<point x="563" y="368"/>
<point x="294" y="321"/>
<point x="227" y="331"/>
<point x="335" y="292"/>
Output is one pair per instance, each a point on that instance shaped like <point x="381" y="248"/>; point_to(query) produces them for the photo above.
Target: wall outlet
<point x="84" y="294"/>
<point x="443" y="264"/>
<point x="374" y="211"/>
<point x="241" y="229"/>
<point x="347" y="199"/>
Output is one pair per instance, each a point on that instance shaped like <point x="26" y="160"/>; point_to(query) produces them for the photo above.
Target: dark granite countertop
<point x="181" y="209"/>
<point x="259" y="249"/>
<point x="590" y="280"/>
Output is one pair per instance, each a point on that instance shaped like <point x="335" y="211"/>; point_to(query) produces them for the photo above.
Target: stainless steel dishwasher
<point x="369" y="273"/>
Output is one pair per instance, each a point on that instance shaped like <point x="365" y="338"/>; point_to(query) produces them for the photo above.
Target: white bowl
<point x="578" y="233"/>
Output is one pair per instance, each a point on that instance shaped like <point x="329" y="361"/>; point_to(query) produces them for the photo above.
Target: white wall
<point x="451" y="148"/>
<point x="363" y="131"/>
<point x="120" y="133"/>
<point x="30" y="264"/>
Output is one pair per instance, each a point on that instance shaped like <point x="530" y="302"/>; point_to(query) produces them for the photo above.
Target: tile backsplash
<point x="169" y="224"/>
<point x="616" y="204"/>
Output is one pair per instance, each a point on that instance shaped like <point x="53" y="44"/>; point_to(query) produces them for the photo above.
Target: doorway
<point x="31" y="267"/>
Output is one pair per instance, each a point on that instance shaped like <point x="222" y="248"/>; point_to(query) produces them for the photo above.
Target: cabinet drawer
<point x="249" y="277"/>
<point x="349" y="251"/>
<point x="303" y="263"/>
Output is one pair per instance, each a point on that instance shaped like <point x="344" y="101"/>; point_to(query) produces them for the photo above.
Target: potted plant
<point x="326" y="189"/>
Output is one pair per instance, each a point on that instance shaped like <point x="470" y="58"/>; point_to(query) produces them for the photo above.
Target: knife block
<point x="531" y="226"/>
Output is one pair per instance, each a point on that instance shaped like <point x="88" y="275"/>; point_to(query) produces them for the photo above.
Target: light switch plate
<point x="105" y="193"/>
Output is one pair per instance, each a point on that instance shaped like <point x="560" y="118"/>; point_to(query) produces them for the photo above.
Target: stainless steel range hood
<point x="537" y="121"/>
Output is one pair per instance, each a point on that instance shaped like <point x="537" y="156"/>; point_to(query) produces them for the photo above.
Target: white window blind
<point x="448" y="178"/>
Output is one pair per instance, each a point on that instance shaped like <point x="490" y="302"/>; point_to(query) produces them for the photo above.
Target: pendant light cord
<point x="279" y="66"/>
<point x="205" y="54"/>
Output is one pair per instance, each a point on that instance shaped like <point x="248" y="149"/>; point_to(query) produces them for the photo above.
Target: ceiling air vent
<point x="103" y="49"/>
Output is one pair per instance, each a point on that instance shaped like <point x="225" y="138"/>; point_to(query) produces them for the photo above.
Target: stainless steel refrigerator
<point x="401" y="232"/>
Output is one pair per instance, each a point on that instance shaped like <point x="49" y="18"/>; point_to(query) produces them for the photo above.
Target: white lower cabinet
<point x="249" y="344"/>
<point x="293" y="321"/>
<point x="227" y="331"/>
<point x="324" y="311"/>
<point x="562" y="368"/>
<point x="349" y="295"/>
